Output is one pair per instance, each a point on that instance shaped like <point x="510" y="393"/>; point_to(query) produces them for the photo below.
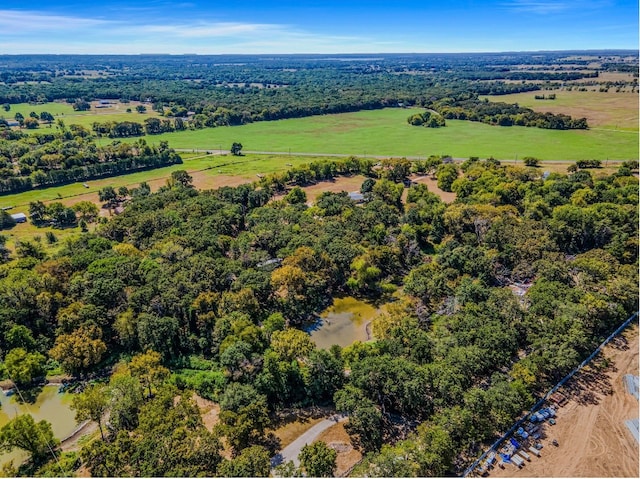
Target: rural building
<point x="269" y="262"/>
<point x="19" y="217"/>
<point x="356" y="196"/>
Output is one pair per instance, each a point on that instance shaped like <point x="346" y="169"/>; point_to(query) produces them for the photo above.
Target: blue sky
<point x="330" y="26"/>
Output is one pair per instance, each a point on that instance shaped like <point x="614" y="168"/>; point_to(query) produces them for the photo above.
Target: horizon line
<point x="589" y="50"/>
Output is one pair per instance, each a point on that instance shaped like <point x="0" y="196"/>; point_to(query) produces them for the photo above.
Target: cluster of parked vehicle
<point x="525" y="443"/>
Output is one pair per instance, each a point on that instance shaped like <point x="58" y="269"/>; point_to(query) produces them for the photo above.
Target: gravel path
<point x="290" y="453"/>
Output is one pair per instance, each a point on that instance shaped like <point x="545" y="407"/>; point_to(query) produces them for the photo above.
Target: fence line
<point x="537" y="405"/>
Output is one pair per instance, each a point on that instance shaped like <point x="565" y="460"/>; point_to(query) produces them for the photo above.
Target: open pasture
<point x="115" y="111"/>
<point x="611" y="110"/>
<point x="386" y="132"/>
<point x="56" y="108"/>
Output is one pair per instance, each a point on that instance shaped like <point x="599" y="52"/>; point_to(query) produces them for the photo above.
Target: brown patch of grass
<point x="209" y="410"/>
<point x="432" y="185"/>
<point x="206" y="180"/>
<point x="337" y="438"/>
<point x="289" y="424"/>
<point x="613" y="110"/>
<point x="608" y="76"/>
<point x="342" y="183"/>
<point x="291" y="431"/>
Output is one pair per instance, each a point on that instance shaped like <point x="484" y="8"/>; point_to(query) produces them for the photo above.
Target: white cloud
<point x="549" y="7"/>
<point x="15" y="22"/>
<point x="208" y="30"/>
<point x="30" y="32"/>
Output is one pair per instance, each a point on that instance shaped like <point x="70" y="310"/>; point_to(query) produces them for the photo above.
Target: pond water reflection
<point x="343" y="323"/>
<point x="50" y="405"/>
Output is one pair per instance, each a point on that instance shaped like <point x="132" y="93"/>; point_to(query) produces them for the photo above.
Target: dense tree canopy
<point x="209" y="291"/>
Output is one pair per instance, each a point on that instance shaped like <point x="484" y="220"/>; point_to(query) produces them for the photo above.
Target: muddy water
<point x="344" y="322"/>
<point x="50" y="406"/>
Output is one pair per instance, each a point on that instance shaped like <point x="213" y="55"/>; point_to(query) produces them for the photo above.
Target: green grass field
<point x="386" y="132"/>
<point x="27" y="231"/>
<point x="66" y="113"/>
<point x="55" y="108"/>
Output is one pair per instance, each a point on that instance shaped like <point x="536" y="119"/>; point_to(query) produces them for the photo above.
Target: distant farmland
<point x="386" y="132"/>
<point x="612" y="110"/>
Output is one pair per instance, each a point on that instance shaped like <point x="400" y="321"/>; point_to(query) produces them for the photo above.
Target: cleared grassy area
<point x="119" y="116"/>
<point x="66" y="113"/>
<point x="207" y="171"/>
<point x="55" y="108"/>
<point x="612" y="110"/>
<point x="386" y="132"/>
<point x="27" y="231"/>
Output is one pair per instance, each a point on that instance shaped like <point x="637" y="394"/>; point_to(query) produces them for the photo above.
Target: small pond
<point x="343" y="323"/>
<point x="49" y="405"/>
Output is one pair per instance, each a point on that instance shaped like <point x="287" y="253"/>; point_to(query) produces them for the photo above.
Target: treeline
<point x="502" y="88"/>
<point x="181" y="291"/>
<point x="126" y="129"/>
<point x="528" y="75"/>
<point x="30" y="161"/>
<point x="504" y="114"/>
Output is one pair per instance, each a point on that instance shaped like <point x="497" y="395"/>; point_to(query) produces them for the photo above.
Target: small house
<point x="19" y="217"/>
<point x="356" y="196"/>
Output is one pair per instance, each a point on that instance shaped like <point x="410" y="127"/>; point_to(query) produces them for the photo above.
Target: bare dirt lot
<point x="432" y="185"/>
<point x="341" y="183"/>
<point x="593" y="438"/>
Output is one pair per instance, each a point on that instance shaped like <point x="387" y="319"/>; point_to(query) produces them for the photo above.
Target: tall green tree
<point x="148" y="368"/>
<point x="236" y="149"/>
<point x="318" y="460"/>
<point x="80" y="350"/>
<point x="23" y="367"/>
<point x="253" y="461"/>
<point x="24" y="433"/>
<point x="91" y="404"/>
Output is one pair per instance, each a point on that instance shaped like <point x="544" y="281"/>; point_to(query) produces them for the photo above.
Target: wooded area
<point x="184" y="295"/>
<point x="70" y="155"/>
<point x="181" y="283"/>
<point x="234" y="90"/>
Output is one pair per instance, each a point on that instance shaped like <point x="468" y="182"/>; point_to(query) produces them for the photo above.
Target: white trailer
<point x="534" y="451"/>
<point x="525" y="455"/>
<point x="517" y="460"/>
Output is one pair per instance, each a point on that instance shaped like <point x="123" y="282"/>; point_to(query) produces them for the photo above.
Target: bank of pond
<point x="50" y="405"/>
